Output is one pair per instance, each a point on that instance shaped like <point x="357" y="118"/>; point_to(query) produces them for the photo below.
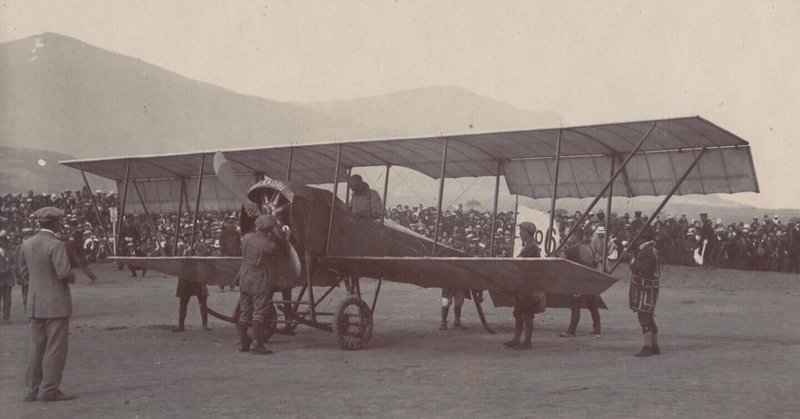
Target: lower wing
<point x="552" y="275"/>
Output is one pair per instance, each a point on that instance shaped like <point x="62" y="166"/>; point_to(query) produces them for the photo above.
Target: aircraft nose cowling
<point x="271" y="197"/>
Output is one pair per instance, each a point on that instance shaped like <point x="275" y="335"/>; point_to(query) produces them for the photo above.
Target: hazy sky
<point x="733" y="62"/>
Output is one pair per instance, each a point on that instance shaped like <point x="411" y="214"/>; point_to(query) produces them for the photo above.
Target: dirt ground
<point x="731" y="343"/>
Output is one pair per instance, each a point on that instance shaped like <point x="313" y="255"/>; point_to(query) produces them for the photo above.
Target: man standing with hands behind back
<point x="44" y="262"/>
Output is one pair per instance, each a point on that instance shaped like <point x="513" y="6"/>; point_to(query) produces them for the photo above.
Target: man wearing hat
<point x="598" y="244"/>
<point x="366" y="202"/>
<point x="77" y="257"/>
<point x="256" y="279"/>
<point x="580" y="250"/>
<point x="527" y="302"/>
<point x="6" y="275"/>
<point x="43" y="261"/>
<point x="643" y="294"/>
<point x="708" y="240"/>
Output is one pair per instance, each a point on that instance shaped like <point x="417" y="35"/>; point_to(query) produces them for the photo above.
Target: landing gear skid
<point x="270" y="325"/>
<point x="476" y="298"/>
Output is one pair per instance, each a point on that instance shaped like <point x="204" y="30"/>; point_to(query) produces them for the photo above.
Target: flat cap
<point x="265" y="222"/>
<point x="48" y="214"/>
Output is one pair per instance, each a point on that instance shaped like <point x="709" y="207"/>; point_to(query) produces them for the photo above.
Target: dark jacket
<point x="256" y="276"/>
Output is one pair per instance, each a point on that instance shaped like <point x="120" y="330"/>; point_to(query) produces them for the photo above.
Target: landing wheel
<point x="352" y="323"/>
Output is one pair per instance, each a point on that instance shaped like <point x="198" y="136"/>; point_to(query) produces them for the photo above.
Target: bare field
<point x="731" y="343"/>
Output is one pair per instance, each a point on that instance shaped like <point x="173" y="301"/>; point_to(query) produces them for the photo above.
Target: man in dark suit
<point x="527" y="302"/>
<point x="43" y="261"/>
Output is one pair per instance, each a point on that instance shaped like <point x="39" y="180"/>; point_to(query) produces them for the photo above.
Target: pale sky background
<point x="734" y="63"/>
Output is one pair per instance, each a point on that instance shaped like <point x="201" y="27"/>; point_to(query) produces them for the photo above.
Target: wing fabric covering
<point x="552" y="275"/>
<point x="526" y="157"/>
<point x="210" y="270"/>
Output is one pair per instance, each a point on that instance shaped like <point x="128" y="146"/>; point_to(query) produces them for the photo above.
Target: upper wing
<point x="587" y="152"/>
<point x="552" y="275"/>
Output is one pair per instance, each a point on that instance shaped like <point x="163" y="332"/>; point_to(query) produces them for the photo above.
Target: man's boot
<point x="647" y="348"/>
<point x="181" y="318"/>
<point x="258" y="345"/>
<point x="526" y="344"/>
<point x="445" y="310"/>
<point x="244" y="340"/>
<point x="514" y="342"/>
<point x="457" y="318"/>
<point x="654" y="345"/>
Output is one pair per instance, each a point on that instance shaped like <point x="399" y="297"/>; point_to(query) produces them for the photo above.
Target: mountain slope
<point x="434" y="110"/>
<point x="63" y="95"/>
<point x="35" y="170"/>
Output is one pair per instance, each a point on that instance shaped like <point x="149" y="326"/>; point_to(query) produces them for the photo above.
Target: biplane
<point x="330" y="247"/>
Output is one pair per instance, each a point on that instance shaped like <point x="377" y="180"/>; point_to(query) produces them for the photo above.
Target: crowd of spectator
<point x="764" y="244"/>
<point x="468" y="230"/>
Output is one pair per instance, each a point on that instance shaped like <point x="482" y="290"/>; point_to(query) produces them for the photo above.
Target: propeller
<point x="227" y="178"/>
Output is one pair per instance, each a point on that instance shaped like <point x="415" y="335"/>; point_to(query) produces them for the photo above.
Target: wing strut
<point x="385" y="194"/>
<point x="180" y="212"/>
<point x="94" y="206"/>
<point x="605" y="188"/>
<point x="548" y="247"/>
<point x="608" y="219"/>
<point x="660" y="206"/>
<point x="197" y="201"/>
<point x="122" y="207"/>
<point x="494" y="206"/>
<point x="439" y="201"/>
<point x="149" y="218"/>
<point x="333" y="198"/>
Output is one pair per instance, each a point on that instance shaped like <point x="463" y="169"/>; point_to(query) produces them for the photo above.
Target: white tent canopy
<point x="526" y="159"/>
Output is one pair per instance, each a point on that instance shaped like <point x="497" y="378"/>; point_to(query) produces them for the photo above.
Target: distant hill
<point x="63" y="95"/>
<point x="25" y="169"/>
<point x="434" y="110"/>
